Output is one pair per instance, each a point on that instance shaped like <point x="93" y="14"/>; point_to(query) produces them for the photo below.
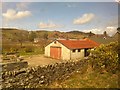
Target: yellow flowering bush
<point x="105" y="58"/>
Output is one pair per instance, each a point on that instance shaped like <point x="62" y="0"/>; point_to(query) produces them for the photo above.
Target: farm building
<point x="69" y="49"/>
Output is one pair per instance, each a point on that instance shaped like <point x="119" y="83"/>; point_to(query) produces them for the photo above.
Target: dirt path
<point x="40" y="60"/>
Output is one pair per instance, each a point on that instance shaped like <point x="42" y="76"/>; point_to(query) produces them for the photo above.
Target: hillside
<point x="16" y="35"/>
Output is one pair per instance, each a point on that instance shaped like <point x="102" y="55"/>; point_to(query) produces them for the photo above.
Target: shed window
<point x="73" y="50"/>
<point x="79" y="50"/>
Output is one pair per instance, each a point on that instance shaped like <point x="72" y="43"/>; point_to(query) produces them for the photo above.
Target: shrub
<point x="10" y="48"/>
<point x="29" y="49"/>
<point x="105" y="58"/>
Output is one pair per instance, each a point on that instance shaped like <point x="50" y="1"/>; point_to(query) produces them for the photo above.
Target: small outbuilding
<point x="69" y="49"/>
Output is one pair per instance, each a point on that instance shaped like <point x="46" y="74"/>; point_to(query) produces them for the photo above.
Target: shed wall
<point x="65" y="52"/>
<point x="76" y="54"/>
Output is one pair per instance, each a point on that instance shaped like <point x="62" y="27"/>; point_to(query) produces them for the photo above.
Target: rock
<point x="27" y="79"/>
<point x="42" y="77"/>
<point x="41" y="82"/>
<point x="31" y="76"/>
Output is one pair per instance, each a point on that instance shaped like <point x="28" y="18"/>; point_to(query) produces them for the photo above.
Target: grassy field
<point x="26" y="49"/>
<point x="88" y="80"/>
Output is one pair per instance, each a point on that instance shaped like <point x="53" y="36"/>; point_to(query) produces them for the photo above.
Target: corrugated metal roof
<point x="78" y="44"/>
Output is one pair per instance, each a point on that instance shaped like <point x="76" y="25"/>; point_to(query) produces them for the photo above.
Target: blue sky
<point x="61" y="16"/>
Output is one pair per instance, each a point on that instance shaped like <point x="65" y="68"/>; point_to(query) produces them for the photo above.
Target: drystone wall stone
<point x="36" y="77"/>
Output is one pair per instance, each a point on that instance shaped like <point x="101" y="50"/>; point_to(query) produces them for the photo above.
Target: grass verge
<point x="88" y="80"/>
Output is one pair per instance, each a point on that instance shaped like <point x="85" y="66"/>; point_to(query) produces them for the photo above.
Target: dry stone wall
<point x="14" y="65"/>
<point x="36" y="77"/>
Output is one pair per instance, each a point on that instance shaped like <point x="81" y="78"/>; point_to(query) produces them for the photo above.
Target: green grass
<point x="36" y="51"/>
<point x="27" y="49"/>
<point x="88" y="80"/>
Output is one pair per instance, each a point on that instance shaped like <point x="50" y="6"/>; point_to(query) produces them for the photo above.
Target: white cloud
<point x="110" y="30"/>
<point x="12" y="14"/>
<point x="84" y="19"/>
<point x="48" y="25"/>
<point x="95" y="30"/>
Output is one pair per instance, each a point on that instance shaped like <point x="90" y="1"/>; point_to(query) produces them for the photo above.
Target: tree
<point x="105" y="33"/>
<point x="32" y="35"/>
<point x="45" y="36"/>
<point x="20" y="38"/>
<point x="90" y="34"/>
<point x="56" y="34"/>
<point x="105" y="58"/>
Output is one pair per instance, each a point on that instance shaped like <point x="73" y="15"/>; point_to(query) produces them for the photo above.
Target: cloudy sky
<point x="62" y="16"/>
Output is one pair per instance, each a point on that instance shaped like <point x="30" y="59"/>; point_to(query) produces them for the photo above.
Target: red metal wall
<point x="55" y="52"/>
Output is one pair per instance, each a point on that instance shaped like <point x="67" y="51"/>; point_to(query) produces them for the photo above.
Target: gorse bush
<point x="105" y="58"/>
